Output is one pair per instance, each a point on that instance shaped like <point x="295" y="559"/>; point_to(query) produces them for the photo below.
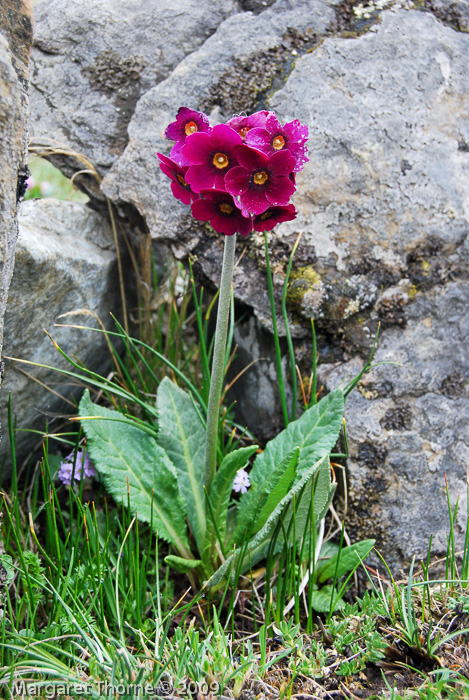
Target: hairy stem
<point x="218" y="364"/>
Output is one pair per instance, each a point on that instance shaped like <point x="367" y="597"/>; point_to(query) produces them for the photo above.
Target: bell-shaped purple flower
<point x="83" y="467"/>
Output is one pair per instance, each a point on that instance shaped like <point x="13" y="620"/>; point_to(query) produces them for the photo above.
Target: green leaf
<point x="315" y="433"/>
<point x="222" y="487"/>
<point x="313" y="481"/>
<point x="349" y="558"/>
<point x="181" y="565"/>
<point x="321" y="600"/>
<point x="261" y="500"/>
<point x="182" y="435"/>
<point x="257" y="547"/>
<point x="136" y="469"/>
<point x="320" y="485"/>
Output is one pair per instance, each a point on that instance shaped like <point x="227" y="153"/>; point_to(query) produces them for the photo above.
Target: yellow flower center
<point x="243" y="131"/>
<point x="190" y="128"/>
<point x="220" y="161"/>
<point x="266" y="215"/>
<point x="226" y="208"/>
<point x="181" y="180"/>
<point x="278" y="143"/>
<point x="260" y="178"/>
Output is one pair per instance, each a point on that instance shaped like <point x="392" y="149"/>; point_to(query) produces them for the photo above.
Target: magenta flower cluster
<point x="239" y="176"/>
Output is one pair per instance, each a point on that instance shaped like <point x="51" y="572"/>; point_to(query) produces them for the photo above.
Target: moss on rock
<point x="306" y="292"/>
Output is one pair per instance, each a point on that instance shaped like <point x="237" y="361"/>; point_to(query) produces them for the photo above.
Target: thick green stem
<point x="218" y="364"/>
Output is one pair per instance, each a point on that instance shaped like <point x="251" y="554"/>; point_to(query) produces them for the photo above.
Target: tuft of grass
<point x="88" y="598"/>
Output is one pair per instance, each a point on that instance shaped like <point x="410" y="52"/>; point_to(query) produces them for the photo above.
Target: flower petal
<point x="225" y="138"/>
<point x="255" y="201"/>
<point x="200" y="177"/>
<point x="279" y="191"/>
<point x="197" y="148"/>
<point x="180" y="192"/>
<point x="203" y="209"/>
<point x="282" y="162"/>
<point x="237" y="181"/>
<point x="251" y="159"/>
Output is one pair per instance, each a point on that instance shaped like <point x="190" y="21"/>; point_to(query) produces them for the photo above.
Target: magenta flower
<point x="188" y="122"/>
<point x="273" y="216"/>
<point x="274" y="137"/>
<point x="242" y="123"/>
<point x="181" y="190"/>
<point x="260" y="181"/>
<point x="218" y="207"/>
<point x="210" y="157"/>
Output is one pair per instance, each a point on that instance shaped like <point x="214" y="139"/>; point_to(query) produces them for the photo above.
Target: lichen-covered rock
<point x="408" y="427"/>
<point x="454" y="13"/>
<point x="230" y="73"/>
<point x="65" y="261"/>
<point x="92" y="60"/>
<point x="383" y="215"/>
<point x="15" y="44"/>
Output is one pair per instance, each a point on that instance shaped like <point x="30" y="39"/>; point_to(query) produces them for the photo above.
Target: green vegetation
<point x="48" y="181"/>
<point x="100" y="600"/>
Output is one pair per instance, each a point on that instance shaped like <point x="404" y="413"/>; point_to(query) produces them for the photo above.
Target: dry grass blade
<point x="47" y="148"/>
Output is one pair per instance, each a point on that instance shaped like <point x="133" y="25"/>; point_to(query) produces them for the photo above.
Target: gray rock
<point x="10" y="154"/>
<point x="92" y="61"/>
<point x="64" y="262"/>
<point x="382" y="211"/>
<point x="454" y="13"/>
<point x="385" y="193"/>
<point x="228" y="74"/>
<point x="15" y="44"/>
<point x="408" y="428"/>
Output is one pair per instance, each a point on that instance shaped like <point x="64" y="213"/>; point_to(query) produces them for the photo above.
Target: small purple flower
<point x="181" y="190"/>
<point x="188" y="122"/>
<point x="273" y="216"/>
<point x="274" y="137"/>
<point x="210" y="157"/>
<point x="83" y="467"/>
<point x="241" y="481"/>
<point x="260" y="181"/>
<point x="242" y="123"/>
<point x="219" y="207"/>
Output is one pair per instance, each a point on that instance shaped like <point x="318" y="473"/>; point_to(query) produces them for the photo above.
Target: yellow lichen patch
<point x="352" y="307"/>
<point x="412" y="292"/>
<point x="306" y="291"/>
